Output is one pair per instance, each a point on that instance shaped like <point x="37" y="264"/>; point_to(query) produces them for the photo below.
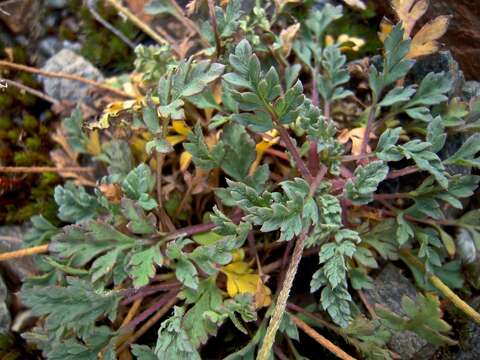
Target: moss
<point x="33" y="143"/>
<point x="98" y="44"/>
<point x="5" y="100"/>
<point x="22" y="159"/>
<point x="29" y="122"/>
<point x="13" y="134"/>
<point x="5" y="122"/>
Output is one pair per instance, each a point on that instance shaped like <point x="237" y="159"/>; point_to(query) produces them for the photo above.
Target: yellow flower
<point x="242" y="280"/>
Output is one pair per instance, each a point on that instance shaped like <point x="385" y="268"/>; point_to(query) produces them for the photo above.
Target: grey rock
<point x="471" y="90"/>
<point x="442" y="61"/>
<point x="5" y="320"/>
<point x="19" y="269"/>
<point x="49" y="46"/>
<point x="69" y="62"/>
<point x="389" y="288"/>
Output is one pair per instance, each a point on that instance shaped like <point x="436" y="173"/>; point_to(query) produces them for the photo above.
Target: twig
<point x="107" y="25"/>
<point x="24" y="252"/>
<point x="444" y="289"/>
<point x="61" y="75"/>
<point x="180" y="16"/>
<point x="149" y="290"/>
<point x="29" y="90"/>
<point x="213" y="20"/>
<point x="402" y="172"/>
<point x="138" y="22"/>
<point x="367" y="305"/>
<point x="321" y="340"/>
<point x="294" y="151"/>
<point x="281" y="302"/>
<point x="164" y="309"/>
<point x="132" y="311"/>
<point x="42" y="169"/>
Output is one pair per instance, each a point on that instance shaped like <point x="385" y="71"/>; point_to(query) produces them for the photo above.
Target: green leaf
<point x="139" y="223"/>
<point x="76" y="306"/>
<point x="422" y="317"/>
<point x="138" y="184"/>
<point x="436" y="134"/>
<point x="335" y="74"/>
<point x="201" y="155"/>
<point x="143" y="352"/>
<point x="465" y="156"/>
<point x="360" y="191"/>
<point x="395" y="64"/>
<point x="173" y="341"/>
<point x="239" y="151"/>
<point x="161" y="146"/>
<point x="74" y="203"/>
<point x="397" y="95"/>
<point x="318" y="21"/>
<point x="159" y="7"/>
<point x="207" y="299"/>
<point x="141" y="266"/>
<point x="40" y="232"/>
<point x="72" y="126"/>
<point x="118" y="156"/>
<point x="432" y="90"/>
<point x="150" y="118"/>
<point x="185" y="271"/>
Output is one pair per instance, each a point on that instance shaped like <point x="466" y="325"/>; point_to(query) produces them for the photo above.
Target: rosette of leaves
<point x="111" y="244"/>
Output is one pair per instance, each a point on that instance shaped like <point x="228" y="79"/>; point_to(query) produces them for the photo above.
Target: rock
<point x="471" y="90"/>
<point x="442" y="61"/>
<point x="389" y="288"/>
<point x="19" y="269"/>
<point x="69" y="62"/>
<point x="51" y="45"/>
<point x="5" y="320"/>
<point x="463" y="35"/>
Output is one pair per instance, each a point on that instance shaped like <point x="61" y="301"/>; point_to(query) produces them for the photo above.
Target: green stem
<point x="444" y="289"/>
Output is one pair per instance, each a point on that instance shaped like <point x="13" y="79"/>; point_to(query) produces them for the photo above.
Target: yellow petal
<point x="241" y="280"/>
<point x="329" y="40"/>
<point x="180" y="127"/>
<point x="94" y="147"/>
<point x="175" y="139"/>
<point x="185" y="160"/>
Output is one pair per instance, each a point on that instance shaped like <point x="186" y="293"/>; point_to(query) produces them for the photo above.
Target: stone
<point x="69" y="62"/>
<point x="442" y="61"/>
<point x="463" y="35"/>
<point x="389" y="288"/>
<point x="16" y="270"/>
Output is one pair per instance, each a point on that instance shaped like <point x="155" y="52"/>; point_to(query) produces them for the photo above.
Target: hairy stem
<point x="281" y="303"/>
<point x="24" y="252"/>
<point x="295" y="154"/>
